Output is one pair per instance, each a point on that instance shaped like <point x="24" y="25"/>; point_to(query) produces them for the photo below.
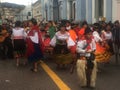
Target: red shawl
<point x="88" y="42"/>
<point x="30" y="47"/>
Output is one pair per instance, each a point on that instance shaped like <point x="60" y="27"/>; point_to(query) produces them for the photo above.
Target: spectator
<point x="51" y="29"/>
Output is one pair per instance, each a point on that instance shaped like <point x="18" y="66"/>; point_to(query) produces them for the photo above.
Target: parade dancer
<point x="18" y="37"/>
<point x="61" y="42"/>
<point x="34" y="45"/>
<point x="86" y="65"/>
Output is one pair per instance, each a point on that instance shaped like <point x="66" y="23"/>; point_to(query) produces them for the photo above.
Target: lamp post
<point x="59" y="6"/>
<point x="1" y="12"/>
<point x="0" y="17"/>
<point x="0" y="9"/>
<point x="50" y="12"/>
<point x="71" y="9"/>
<point x="46" y="9"/>
<point x="32" y="7"/>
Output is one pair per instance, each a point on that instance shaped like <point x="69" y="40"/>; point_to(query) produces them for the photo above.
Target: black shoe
<point x="90" y="87"/>
<point x="33" y="70"/>
<point x="83" y="86"/>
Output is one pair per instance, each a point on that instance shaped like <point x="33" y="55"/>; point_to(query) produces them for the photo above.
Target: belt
<point x="82" y="58"/>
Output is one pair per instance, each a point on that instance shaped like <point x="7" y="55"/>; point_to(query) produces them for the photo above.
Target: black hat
<point x="96" y="25"/>
<point x="87" y="30"/>
<point x="17" y="23"/>
<point x="116" y="22"/>
<point x="62" y="25"/>
<point x="33" y="20"/>
<point x="84" y="23"/>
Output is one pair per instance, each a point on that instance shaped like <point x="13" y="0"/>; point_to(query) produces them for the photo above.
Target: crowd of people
<point x="87" y="44"/>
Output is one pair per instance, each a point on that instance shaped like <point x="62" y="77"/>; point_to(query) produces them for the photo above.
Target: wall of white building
<point x="108" y="10"/>
<point x="84" y="10"/>
<point x="24" y="13"/>
<point x="116" y="10"/>
<point x="47" y="9"/>
<point x="50" y="9"/>
<point x="37" y="11"/>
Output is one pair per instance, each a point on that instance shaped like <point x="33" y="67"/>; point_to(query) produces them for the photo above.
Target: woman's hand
<point x="28" y="37"/>
<point x="89" y="51"/>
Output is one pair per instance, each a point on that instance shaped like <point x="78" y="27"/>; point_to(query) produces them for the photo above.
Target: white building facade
<point x="26" y="13"/>
<point x="45" y="8"/>
<point x="80" y="10"/>
<point x="37" y="10"/>
<point x="90" y="10"/>
<point x="116" y="10"/>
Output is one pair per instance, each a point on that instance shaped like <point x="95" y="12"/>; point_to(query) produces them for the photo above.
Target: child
<point x="86" y="66"/>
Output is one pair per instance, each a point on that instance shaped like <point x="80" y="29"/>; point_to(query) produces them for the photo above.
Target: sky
<point x="22" y="2"/>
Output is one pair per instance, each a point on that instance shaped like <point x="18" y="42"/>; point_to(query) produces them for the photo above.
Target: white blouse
<point x="18" y="33"/>
<point x="107" y="36"/>
<point x="97" y="36"/>
<point x="63" y="37"/>
<point x="82" y="43"/>
<point x="34" y="38"/>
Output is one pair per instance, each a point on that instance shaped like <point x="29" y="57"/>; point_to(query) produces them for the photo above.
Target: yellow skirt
<point x="63" y="58"/>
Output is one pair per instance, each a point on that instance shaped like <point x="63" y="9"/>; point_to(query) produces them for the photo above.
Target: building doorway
<point x="99" y="9"/>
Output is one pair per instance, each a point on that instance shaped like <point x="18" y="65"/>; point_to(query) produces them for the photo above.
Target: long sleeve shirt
<point x="34" y="37"/>
<point x="62" y="37"/>
<point x="97" y="36"/>
<point x="81" y="47"/>
<point x="18" y="33"/>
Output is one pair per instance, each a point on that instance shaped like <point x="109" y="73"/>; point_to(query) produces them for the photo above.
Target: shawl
<point x="30" y="46"/>
<point x="88" y="41"/>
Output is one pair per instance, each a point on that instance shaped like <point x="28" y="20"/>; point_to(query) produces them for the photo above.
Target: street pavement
<point x="21" y="78"/>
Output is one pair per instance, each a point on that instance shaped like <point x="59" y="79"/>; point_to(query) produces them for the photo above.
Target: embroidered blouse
<point x="97" y="36"/>
<point x="82" y="47"/>
<point x="62" y="39"/>
<point x="106" y="36"/>
<point x="18" y="33"/>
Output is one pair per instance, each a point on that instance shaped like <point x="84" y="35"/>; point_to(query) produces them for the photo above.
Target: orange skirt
<point x="102" y="53"/>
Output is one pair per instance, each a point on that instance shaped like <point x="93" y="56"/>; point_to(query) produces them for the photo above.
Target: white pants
<point x="81" y="71"/>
